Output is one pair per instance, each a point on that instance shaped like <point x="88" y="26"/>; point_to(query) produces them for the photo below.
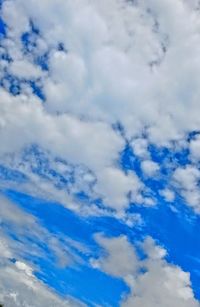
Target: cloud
<point x="140" y="147"/>
<point x="152" y="281"/>
<point x="19" y="287"/>
<point x="32" y="234"/>
<point x="133" y="66"/>
<point x="149" y="168"/>
<point x="22" y="238"/>
<point x="168" y="195"/>
<point x="81" y="82"/>
<point x="120" y="259"/>
<point x="195" y="149"/>
<point x="186" y="179"/>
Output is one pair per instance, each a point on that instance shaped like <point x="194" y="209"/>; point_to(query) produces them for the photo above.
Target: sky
<point x="100" y="153"/>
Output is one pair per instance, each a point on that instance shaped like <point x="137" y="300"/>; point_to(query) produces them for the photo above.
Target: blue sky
<point x="100" y="151"/>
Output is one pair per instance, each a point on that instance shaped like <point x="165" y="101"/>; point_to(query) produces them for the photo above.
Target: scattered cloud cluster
<point x="152" y="281"/>
<point x="66" y="84"/>
<point x="18" y="284"/>
<point x="99" y="111"/>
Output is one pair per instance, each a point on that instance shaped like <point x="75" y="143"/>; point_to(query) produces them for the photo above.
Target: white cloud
<point x="153" y="281"/>
<point x="186" y="179"/>
<point x="14" y="15"/>
<point x="168" y="195"/>
<point x="71" y="139"/>
<point x="140" y="148"/>
<point x="195" y="149"/>
<point x="120" y="259"/>
<point x="114" y="187"/>
<point x="116" y="94"/>
<point x="18" y="287"/>
<point x="18" y="284"/>
<point x="64" y="250"/>
<point x="150" y="168"/>
<point x="132" y="66"/>
<point x="23" y="69"/>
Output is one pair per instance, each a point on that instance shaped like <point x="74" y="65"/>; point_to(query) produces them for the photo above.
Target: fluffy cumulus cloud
<point x="187" y="181"/>
<point x="152" y="281"/>
<point x="99" y="112"/>
<point x="94" y="65"/>
<point x="149" y="168"/>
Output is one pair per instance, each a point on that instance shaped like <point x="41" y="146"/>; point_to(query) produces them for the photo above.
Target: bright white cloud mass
<point x="99" y="153"/>
<point x="153" y="282"/>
